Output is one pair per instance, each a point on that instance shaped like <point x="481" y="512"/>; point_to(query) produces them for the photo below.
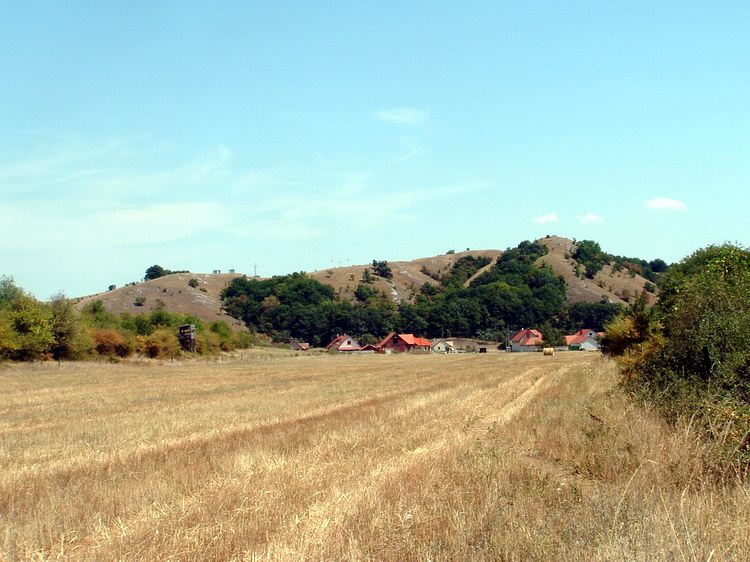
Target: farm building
<point x="443" y="346"/>
<point x="299" y="346"/>
<point x="526" y="340"/>
<point x="344" y="343"/>
<point x="583" y="340"/>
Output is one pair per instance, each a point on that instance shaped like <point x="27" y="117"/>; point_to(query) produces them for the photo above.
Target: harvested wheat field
<point x="464" y="457"/>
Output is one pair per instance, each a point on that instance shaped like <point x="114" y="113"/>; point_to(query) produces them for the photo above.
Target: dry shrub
<point x="160" y="344"/>
<point x="111" y="343"/>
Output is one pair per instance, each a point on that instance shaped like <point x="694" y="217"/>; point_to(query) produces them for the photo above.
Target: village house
<point x="583" y="340"/>
<point x="443" y="346"/>
<point x="526" y="340"/>
<point x="343" y="343"/>
<point x="299" y="346"/>
<point x="401" y="343"/>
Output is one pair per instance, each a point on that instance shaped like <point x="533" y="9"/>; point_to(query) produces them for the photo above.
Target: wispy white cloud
<point x="665" y="204"/>
<point x="548" y="218"/>
<point x="160" y="222"/>
<point x="590" y="218"/>
<point x="412" y="148"/>
<point x="403" y="116"/>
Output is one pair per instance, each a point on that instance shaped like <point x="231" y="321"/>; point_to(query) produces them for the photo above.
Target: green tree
<point x="9" y="291"/>
<point x="71" y="341"/>
<point x="589" y="254"/>
<point x="382" y="269"/>
<point x="32" y="322"/>
<point x="154" y="272"/>
<point x="592" y="315"/>
<point x="364" y="292"/>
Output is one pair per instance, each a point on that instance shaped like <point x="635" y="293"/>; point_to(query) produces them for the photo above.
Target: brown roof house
<point x="344" y="343"/>
<point x="299" y="346"/>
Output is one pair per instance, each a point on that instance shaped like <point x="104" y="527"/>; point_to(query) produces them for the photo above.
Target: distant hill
<point x="409" y="276"/>
<point x="174" y="293"/>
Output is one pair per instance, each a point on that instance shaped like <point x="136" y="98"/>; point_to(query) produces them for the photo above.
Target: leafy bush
<point x="364" y="292"/>
<point x="695" y="362"/>
<point x="160" y="344"/>
<point x="110" y="343"/>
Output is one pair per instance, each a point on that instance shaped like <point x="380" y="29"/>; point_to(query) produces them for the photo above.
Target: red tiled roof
<point x="408" y="339"/>
<point x="532" y="341"/>
<point x="385" y="340"/>
<point x="580" y="336"/>
<point x="520" y="335"/>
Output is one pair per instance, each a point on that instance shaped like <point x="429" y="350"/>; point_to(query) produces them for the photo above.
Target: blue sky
<point x="303" y="135"/>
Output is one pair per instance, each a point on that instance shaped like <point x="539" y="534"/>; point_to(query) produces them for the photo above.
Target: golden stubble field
<point x="272" y="457"/>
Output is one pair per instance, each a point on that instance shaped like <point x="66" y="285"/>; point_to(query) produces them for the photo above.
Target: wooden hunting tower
<point x="186" y="336"/>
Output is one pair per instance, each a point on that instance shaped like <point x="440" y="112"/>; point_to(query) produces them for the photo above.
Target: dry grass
<point x="270" y="457"/>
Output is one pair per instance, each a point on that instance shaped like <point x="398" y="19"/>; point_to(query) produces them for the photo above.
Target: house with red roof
<point x="344" y="343"/>
<point x="583" y="340"/>
<point x="526" y="340"/>
<point x="402" y="343"/>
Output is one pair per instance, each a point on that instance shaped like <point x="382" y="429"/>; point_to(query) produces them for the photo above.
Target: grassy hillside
<point x="408" y="277"/>
<point x="174" y="293"/>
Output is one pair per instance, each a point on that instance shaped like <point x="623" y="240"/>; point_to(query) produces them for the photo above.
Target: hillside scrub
<point x="590" y="255"/>
<point x="32" y="330"/>
<point x="690" y="355"/>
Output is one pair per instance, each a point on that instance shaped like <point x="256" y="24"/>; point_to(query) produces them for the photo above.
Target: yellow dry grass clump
<point x="466" y="457"/>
